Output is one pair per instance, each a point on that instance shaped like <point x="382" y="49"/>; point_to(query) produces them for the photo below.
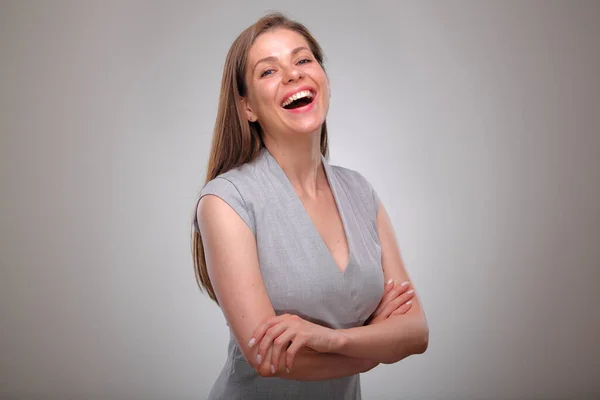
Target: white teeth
<point x="299" y="95"/>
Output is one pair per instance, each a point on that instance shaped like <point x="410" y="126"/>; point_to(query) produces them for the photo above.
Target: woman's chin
<point x="306" y="127"/>
<point x="306" y="131"/>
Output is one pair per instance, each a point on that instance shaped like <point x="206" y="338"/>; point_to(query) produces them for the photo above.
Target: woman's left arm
<point x="400" y="335"/>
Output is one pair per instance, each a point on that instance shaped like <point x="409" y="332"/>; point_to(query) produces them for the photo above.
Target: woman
<point x="295" y="251"/>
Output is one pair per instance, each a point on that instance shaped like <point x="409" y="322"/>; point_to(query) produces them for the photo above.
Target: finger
<point x="398" y="291"/>
<point x="403" y="309"/>
<point x="268" y="360"/>
<point x="298" y="342"/>
<point x="390" y="296"/>
<point x="281" y="362"/>
<point x="267" y="341"/>
<point x="387" y="296"/>
<point x="404" y="286"/>
<point x="388" y="286"/>
<point x="262" y="329"/>
<point x="397" y="302"/>
<point x="279" y="344"/>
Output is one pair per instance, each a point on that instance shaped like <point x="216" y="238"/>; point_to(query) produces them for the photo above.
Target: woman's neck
<point x="301" y="161"/>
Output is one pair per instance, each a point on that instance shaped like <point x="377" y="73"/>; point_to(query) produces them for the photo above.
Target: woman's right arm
<point x="232" y="263"/>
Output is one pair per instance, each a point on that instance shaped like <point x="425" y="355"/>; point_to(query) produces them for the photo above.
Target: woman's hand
<point x="396" y="300"/>
<point x="288" y="333"/>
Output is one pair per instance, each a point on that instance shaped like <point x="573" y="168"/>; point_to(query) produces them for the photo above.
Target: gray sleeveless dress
<point x="299" y="272"/>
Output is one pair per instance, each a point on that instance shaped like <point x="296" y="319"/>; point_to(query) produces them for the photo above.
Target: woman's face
<point x="288" y="91"/>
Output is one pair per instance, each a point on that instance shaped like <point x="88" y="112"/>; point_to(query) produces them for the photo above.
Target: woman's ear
<point x="250" y="115"/>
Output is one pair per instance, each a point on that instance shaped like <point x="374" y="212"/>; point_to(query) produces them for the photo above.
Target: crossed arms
<point x="287" y="346"/>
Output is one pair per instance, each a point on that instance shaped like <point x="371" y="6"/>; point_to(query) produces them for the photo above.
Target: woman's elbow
<point x="422" y="342"/>
<point x="263" y="369"/>
<point x="417" y="343"/>
<point x="250" y="358"/>
<point x="420" y="338"/>
<point x="264" y="372"/>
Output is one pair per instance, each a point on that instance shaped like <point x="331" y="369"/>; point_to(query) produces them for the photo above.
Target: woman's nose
<point x="291" y="74"/>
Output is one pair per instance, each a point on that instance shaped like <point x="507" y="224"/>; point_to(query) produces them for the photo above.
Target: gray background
<point x="477" y="122"/>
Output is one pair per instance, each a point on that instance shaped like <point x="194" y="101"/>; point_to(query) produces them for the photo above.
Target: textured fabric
<point x="299" y="272"/>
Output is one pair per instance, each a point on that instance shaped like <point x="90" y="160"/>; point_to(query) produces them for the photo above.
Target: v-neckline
<point x="294" y="195"/>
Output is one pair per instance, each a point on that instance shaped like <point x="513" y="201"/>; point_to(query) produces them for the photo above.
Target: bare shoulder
<point x="233" y="267"/>
<point x="211" y="209"/>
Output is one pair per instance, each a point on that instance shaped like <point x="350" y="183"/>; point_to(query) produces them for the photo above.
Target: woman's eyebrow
<point x="273" y="59"/>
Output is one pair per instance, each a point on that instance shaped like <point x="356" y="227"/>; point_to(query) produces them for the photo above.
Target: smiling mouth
<point x="298" y="100"/>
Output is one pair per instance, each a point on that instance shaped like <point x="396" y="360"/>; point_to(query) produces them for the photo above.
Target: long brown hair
<point x="237" y="141"/>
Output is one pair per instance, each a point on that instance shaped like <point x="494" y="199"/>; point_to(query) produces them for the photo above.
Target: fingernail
<point x="251" y="342"/>
<point x="272" y="369"/>
<point x="259" y="358"/>
<point x="390" y="281"/>
<point x="409" y="302"/>
<point x="287" y="370"/>
<point x="405" y="283"/>
<point x="410" y="291"/>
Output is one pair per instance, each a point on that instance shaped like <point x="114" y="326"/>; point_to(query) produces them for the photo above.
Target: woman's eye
<point x="304" y="61"/>
<point x="265" y="73"/>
